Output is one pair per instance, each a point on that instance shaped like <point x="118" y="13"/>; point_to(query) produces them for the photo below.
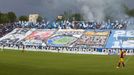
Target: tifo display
<point x="70" y="38"/>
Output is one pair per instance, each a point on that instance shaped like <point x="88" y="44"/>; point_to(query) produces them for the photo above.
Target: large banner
<point x="38" y="37"/>
<point x="93" y="39"/>
<point x="16" y="35"/>
<point x="73" y="32"/>
<point x="65" y="37"/>
<point x="121" y="39"/>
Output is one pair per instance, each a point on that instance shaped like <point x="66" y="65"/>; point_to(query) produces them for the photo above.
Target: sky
<point x="43" y="7"/>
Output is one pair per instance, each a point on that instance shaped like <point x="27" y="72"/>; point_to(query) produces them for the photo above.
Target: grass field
<point x="64" y="40"/>
<point x="41" y="63"/>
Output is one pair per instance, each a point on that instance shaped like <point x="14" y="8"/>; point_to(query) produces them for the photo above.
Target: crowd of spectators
<point x="74" y="25"/>
<point x="6" y="28"/>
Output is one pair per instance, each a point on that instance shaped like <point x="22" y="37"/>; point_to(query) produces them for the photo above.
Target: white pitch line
<point x="128" y="59"/>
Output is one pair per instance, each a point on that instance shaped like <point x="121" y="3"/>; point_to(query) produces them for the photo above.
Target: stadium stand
<point x="73" y="36"/>
<point x="6" y="28"/>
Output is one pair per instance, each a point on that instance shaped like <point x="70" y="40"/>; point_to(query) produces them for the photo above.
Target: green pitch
<point x="42" y="63"/>
<point x="64" y="40"/>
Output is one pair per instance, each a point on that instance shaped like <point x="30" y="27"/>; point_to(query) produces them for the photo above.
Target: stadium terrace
<point x="69" y="37"/>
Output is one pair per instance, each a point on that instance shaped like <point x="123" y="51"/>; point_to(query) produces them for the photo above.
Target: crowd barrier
<point x="72" y="50"/>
